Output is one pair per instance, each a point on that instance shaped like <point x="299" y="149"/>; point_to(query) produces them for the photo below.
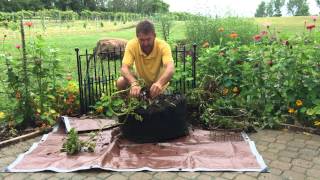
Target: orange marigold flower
<point x="317" y="123"/>
<point x="221" y="29"/>
<point x="225" y="91"/>
<point x="205" y="45"/>
<point x="233" y="35"/>
<point x="299" y="103"/>
<point x="291" y="110"/>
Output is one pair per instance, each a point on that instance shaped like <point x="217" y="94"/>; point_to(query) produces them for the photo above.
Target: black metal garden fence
<point x="97" y="73"/>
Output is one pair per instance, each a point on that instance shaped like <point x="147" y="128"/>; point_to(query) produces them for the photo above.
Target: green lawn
<point x="286" y="25"/>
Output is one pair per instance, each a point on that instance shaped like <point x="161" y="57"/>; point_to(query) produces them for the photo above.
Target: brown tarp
<point x="195" y="152"/>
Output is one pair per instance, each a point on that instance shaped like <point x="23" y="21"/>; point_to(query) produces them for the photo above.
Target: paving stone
<point x="313" y="143"/>
<point x="268" y="176"/>
<point x="127" y="173"/>
<point x="204" y="177"/>
<point x="268" y="139"/>
<point x="253" y="174"/>
<point x="273" y="150"/>
<point x="79" y="176"/>
<point x="262" y="143"/>
<point x="296" y="144"/>
<point x="140" y="176"/>
<point x="180" y="178"/>
<point x="312" y="178"/>
<point x="92" y="178"/>
<point x="277" y="146"/>
<point x="244" y="177"/>
<point x="316" y="167"/>
<point x="280" y="165"/>
<point x="188" y="175"/>
<point x="269" y="155"/>
<point x="302" y="163"/>
<point x="103" y="175"/>
<point x="54" y="178"/>
<point x="17" y="176"/>
<point x="37" y="176"/>
<point x="313" y="147"/>
<point x="288" y="154"/>
<point x="275" y="171"/>
<point x="302" y="136"/>
<point x="316" y="160"/>
<point x="165" y="175"/>
<point x="313" y="173"/>
<point x="262" y="148"/>
<point x="306" y="157"/>
<point x="292" y="149"/>
<point x="293" y="175"/>
<point x="285" y="159"/>
<point x="298" y="169"/>
<point x="229" y="175"/>
<point x="117" y="177"/>
<point x="213" y="174"/>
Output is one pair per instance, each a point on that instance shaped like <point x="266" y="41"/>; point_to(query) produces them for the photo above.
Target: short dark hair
<point x="145" y="27"/>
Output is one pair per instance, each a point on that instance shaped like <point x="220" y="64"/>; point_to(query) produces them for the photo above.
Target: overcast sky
<point x="245" y="8"/>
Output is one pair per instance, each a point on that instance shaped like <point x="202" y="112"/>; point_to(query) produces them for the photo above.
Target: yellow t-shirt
<point x="148" y="67"/>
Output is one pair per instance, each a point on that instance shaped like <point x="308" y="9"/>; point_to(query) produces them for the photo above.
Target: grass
<point x="286" y="25"/>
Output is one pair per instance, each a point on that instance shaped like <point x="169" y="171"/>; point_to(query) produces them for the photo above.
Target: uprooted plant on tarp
<point x="73" y="145"/>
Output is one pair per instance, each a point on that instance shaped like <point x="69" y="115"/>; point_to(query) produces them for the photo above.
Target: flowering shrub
<point x="276" y="80"/>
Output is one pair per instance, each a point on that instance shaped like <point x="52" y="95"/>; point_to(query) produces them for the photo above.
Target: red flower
<point x="18" y="46"/>
<point x="311" y="26"/>
<point x="257" y="37"/>
<point x="29" y="24"/>
<point x="263" y="33"/>
<point x="314" y="18"/>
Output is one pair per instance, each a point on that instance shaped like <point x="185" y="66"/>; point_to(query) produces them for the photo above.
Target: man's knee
<point x="122" y="83"/>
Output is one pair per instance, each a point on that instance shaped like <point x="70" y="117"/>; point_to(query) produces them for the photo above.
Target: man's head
<point x="146" y="34"/>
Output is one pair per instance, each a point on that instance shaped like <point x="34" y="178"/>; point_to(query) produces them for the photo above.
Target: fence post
<point x="80" y="80"/>
<point x="194" y="58"/>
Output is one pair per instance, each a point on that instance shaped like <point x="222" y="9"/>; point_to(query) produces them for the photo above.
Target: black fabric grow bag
<point x="164" y="121"/>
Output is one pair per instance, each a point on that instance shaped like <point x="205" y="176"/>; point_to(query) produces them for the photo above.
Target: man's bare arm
<point x="126" y="73"/>
<point x="167" y="74"/>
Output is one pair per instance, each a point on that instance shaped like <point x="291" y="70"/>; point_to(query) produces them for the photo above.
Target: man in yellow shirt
<point x="152" y="59"/>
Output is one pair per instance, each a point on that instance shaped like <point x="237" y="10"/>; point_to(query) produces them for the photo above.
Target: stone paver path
<point x="289" y="155"/>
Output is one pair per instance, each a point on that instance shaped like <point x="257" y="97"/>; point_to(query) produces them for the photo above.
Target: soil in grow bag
<point x="163" y="120"/>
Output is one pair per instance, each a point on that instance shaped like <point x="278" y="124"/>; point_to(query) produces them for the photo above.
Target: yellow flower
<point x="221" y="29"/>
<point x="299" y="103"/>
<point x="291" y="110"/>
<point x="317" y="123"/>
<point x="235" y="90"/>
<point x="205" y="45"/>
<point x="225" y="91"/>
<point x="99" y="109"/>
<point x="2" y="115"/>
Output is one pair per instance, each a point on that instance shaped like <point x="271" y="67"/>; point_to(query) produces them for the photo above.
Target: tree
<point x="318" y="3"/>
<point x="278" y="4"/>
<point x="261" y="10"/>
<point x="270" y="8"/>
<point x="298" y="7"/>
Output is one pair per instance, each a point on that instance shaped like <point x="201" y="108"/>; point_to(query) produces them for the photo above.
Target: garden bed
<point x="10" y="136"/>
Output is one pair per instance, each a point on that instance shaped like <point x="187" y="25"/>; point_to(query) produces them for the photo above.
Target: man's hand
<point x="135" y="90"/>
<point x="155" y="89"/>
